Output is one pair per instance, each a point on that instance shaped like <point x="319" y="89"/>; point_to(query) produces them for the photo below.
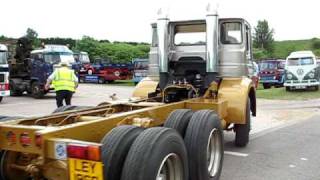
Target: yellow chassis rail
<point x="92" y="124"/>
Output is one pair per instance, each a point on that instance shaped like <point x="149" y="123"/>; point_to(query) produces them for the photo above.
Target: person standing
<point x="64" y="82"/>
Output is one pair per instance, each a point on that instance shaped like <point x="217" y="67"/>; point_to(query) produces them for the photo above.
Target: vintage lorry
<point x="4" y="72"/>
<point x="30" y="68"/>
<point x="272" y="73"/>
<point x="172" y="127"/>
<point x="140" y="69"/>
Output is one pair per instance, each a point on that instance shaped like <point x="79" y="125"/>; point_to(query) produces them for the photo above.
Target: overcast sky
<point x="129" y="20"/>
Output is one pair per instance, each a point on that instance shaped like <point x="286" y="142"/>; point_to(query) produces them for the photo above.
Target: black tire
<point x="179" y="120"/>
<point x="101" y="80"/>
<point x="81" y="79"/>
<point x="243" y="130"/>
<point x="64" y="109"/>
<point x="288" y="88"/>
<point x="1" y="98"/>
<point x="203" y="125"/>
<point x="69" y="108"/>
<point x="316" y="88"/>
<point x="150" y="149"/>
<point x="266" y="86"/>
<point x="110" y="81"/>
<point x="115" y="147"/>
<point x="8" y="118"/>
<point x="14" y="173"/>
<point x="36" y="90"/>
<point x="14" y="91"/>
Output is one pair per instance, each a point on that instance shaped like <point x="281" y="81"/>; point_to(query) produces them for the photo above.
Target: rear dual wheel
<point x="7" y="159"/>
<point x="204" y="142"/>
<point x="157" y="154"/>
<point x="203" y="137"/>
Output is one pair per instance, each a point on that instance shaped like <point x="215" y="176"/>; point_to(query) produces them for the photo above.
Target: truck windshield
<point x="84" y="58"/>
<point x="57" y="57"/>
<point x="268" y="65"/>
<point x="3" y="57"/>
<point x="188" y="35"/>
<point x="300" y="61"/>
<point x="141" y="65"/>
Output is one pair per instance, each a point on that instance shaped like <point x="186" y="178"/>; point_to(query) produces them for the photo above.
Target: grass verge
<point x="281" y="93"/>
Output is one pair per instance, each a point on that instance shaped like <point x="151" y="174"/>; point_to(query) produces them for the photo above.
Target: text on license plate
<point x="85" y="170"/>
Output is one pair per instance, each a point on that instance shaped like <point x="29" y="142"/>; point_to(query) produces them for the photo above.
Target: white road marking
<point x="303" y="159"/>
<point x="236" y="154"/>
<point x="292" y="166"/>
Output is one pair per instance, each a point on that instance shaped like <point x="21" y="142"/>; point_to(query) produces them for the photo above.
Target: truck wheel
<point x="7" y="158"/>
<point x="36" y="90"/>
<point x="179" y="120"/>
<point x="14" y="91"/>
<point x="242" y="130"/>
<point x="157" y="153"/>
<point x="81" y="79"/>
<point x="1" y="98"/>
<point x="115" y="147"/>
<point x="69" y="108"/>
<point x="266" y="86"/>
<point x="101" y="80"/>
<point x="204" y="142"/>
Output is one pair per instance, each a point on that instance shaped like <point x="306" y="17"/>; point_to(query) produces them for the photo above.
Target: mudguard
<point x="236" y="92"/>
<point x="144" y="87"/>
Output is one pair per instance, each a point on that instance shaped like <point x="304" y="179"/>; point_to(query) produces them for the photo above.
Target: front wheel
<point x="36" y="90"/>
<point x="266" y="86"/>
<point x="1" y="98"/>
<point x="101" y="80"/>
<point x="243" y="130"/>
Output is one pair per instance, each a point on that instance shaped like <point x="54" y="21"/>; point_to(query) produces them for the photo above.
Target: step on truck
<point x="4" y="72"/>
<point x="172" y="127"/>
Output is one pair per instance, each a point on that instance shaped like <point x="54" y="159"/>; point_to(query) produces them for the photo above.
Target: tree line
<point x="265" y="47"/>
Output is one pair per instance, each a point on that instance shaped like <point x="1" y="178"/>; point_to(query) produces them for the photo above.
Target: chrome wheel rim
<point x="170" y="168"/>
<point x="214" y="152"/>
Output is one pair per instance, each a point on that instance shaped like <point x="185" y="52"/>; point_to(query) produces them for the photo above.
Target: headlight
<point x="289" y="76"/>
<point x="311" y="75"/>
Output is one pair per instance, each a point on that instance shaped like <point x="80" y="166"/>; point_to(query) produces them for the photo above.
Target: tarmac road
<point x="86" y="95"/>
<point x="288" y="153"/>
<point x="284" y="138"/>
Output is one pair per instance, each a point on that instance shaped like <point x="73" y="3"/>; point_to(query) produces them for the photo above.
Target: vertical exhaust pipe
<point x="163" y="44"/>
<point x="212" y="38"/>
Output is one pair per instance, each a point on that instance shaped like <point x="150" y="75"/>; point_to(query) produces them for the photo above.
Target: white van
<point x="302" y="71"/>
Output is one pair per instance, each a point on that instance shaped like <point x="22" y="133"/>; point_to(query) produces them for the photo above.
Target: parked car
<point x="272" y="73"/>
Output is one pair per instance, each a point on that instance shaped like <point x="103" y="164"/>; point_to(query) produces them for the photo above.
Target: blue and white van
<point x="302" y="71"/>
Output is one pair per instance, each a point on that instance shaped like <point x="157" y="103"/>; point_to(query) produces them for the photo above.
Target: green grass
<point x="282" y="94"/>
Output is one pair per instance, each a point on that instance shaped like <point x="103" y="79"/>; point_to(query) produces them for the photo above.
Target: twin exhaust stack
<point x="212" y="24"/>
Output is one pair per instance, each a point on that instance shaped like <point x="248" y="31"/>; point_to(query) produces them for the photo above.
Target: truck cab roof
<point x="52" y="48"/>
<point x="3" y="47"/>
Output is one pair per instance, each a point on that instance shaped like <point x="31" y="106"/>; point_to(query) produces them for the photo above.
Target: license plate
<point x="300" y="87"/>
<point x="83" y="169"/>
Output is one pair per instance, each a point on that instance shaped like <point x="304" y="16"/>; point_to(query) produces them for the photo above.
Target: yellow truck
<point x="171" y="129"/>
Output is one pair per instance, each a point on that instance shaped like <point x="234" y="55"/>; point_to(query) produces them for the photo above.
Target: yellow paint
<point x="145" y="87"/>
<point x="236" y="92"/>
<point x="84" y="169"/>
